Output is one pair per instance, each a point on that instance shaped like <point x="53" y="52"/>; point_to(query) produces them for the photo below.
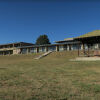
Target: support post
<point x="20" y="51"/>
<point x="67" y="47"/>
<point x="9" y="52"/>
<point x="83" y="49"/>
<point x="3" y="53"/>
<point x="78" y="51"/>
<point x="27" y="50"/>
<point x="57" y="48"/>
<point x="37" y="50"/>
<point x="46" y="49"/>
<point x="88" y="51"/>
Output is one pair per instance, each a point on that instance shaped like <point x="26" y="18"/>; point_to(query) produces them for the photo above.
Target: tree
<point x="42" y="39"/>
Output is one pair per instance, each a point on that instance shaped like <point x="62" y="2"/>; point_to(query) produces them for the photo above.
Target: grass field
<point x="51" y="78"/>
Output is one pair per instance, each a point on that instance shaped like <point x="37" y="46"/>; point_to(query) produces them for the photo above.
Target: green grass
<point x="51" y="78"/>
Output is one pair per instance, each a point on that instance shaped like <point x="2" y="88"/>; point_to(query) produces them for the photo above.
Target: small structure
<point x="90" y="43"/>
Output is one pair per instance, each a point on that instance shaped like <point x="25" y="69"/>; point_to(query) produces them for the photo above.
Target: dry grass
<point x="90" y="34"/>
<point x="51" y="78"/>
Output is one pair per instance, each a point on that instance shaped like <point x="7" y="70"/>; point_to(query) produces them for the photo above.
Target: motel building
<point x="85" y="45"/>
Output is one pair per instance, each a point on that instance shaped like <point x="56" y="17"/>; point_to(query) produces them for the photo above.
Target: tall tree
<point x="42" y="39"/>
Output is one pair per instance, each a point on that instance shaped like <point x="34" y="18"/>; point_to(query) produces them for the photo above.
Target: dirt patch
<point x="86" y="59"/>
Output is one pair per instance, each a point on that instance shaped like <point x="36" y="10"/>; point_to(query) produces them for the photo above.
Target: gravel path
<point x="86" y="59"/>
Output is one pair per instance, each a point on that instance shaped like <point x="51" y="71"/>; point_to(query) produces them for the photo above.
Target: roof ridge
<point x="90" y="34"/>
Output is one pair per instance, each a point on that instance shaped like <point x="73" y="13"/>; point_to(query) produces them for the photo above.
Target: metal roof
<point x="48" y="45"/>
<point x="16" y="43"/>
<point x="65" y="40"/>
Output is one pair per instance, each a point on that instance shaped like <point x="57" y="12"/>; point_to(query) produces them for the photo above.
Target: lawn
<point x="51" y="78"/>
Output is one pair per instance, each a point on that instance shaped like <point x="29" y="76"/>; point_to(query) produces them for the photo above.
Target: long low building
<point x="25" y="48"/>
<point x="13" y="48"/>
<point x="84" y="42"/>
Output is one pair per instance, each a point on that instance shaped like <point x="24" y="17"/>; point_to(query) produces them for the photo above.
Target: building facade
<point x="26" y="48"/>
<point x="84" y="42"/>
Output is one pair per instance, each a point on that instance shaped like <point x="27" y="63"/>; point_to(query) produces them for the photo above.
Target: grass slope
<point x="51" y="78"/>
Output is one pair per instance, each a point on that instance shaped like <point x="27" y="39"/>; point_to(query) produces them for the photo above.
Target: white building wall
<point x="33" y="50"/>
<point x="16" y="51"/>
<point x="61" y="48"/>
<point x="40" y="49"/>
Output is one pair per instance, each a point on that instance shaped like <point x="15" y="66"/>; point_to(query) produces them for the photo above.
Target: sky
<point x="25" y="20"/>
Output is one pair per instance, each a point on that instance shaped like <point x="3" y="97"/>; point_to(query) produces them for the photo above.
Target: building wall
<point x="7" y="52"/>
<point x="61" y="48"/>
<point x="16" y="51"/>
<point x="57" y="47"/>
<point x="42" y="49"/>
<point x="75" y="47"/>
<point x="33" y="50"/>
<point x="52" y="48"/>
